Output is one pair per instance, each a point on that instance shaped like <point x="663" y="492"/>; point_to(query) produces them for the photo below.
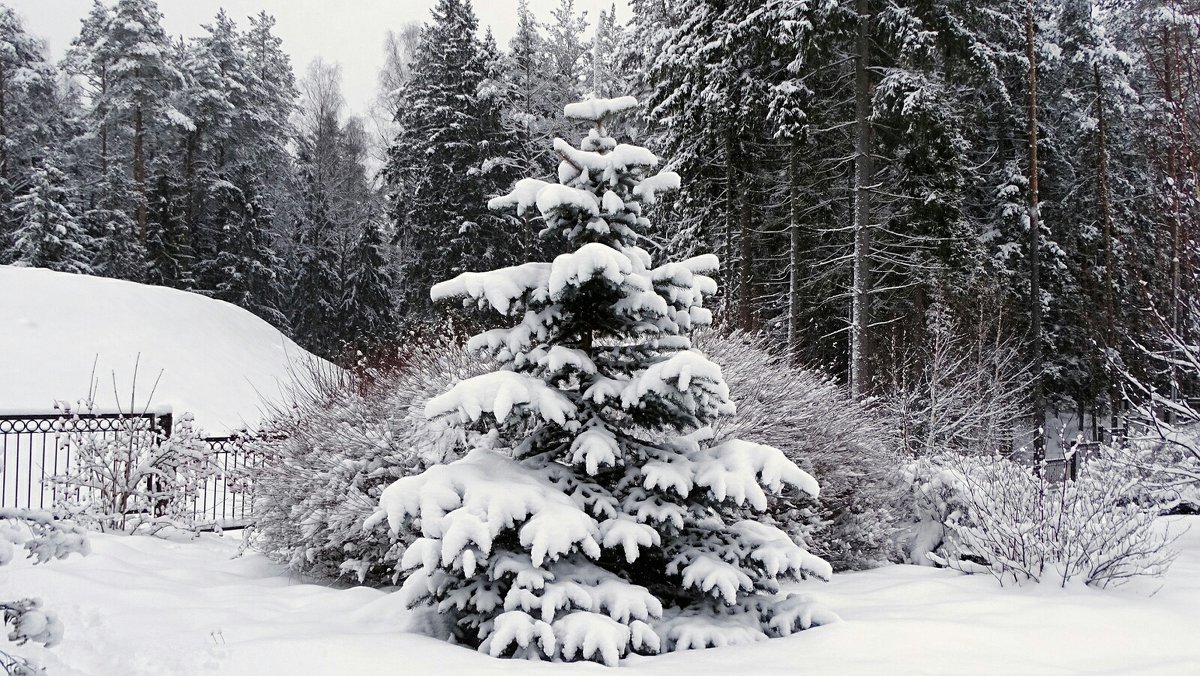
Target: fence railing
<point x="34" y="449"/>
<point x="226" y="499"/>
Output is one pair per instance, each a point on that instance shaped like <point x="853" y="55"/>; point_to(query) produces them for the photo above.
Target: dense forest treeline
<point x="863" y="168"/>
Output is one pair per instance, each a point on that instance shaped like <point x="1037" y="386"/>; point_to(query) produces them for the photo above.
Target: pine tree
<point x="525" y="93"/>
<point x="613" y="525"/>
<point x="605" y="75"/>
<point x="169" y="255"/>
<point x="1074" y="91"/>
<point x="141" y="75"/>
<point x="446" y="158"/>
<point x="48" y="231"/>
<point x="88" y="61"/>
<point x="568" y="51"/>
<point x="34" y="115"/>
<point x="246" y="265"/>
<point x="370" y="287"/>
<point x="214" y="94"/>
<point x="528" y="72"/>
<point x="263" y="130"/>
<point x="315" y="307"/>
<point x="119" y="254"/>
<point x="27" y="100"/>
<point x="126" y="64"/>
<point x="336" y="203"/>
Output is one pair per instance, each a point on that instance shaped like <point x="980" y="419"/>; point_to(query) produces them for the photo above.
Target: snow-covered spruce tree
<point x="448" y="153"/>
<point x="48" y="230"/>
<point x="369" y="284"/>
<point x="613" y="525"/>
<point x="246" y="265"/>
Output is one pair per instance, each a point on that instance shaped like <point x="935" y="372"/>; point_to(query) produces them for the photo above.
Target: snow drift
<point x="216" y="360"/>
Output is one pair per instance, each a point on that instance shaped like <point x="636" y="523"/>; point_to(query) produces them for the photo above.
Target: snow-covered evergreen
<point x="607" y="521"/>
<point x="447" y="156"/>
<point x="48" y="232"/>
<point x="368" y="297"/>
<point x="246" y="267"/>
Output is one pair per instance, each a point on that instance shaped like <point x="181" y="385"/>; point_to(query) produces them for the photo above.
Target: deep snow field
<point x="143" y="605"/>
<point x="216" y="360"/>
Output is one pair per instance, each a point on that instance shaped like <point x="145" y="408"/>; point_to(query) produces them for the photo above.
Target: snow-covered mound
<point x="217" y="361"/>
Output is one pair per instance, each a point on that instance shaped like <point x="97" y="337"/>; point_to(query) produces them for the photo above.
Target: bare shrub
<point x="135" y="477"/>
<point x="337" y="444"/>
<point x="1163" y="436"/>
<point x="964" y="390"/>
<point x="1006" y="519"/>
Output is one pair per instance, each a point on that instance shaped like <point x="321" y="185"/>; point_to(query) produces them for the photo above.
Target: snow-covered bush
<point x="337" y="445"/>
<point x="1001" y="517"/>
<point x="133" y="477"/>
<point x="1166" y="461"/>
<point x="44" y="538"/>
<point x="611" y="522"/>
<point x="852" y="446"/>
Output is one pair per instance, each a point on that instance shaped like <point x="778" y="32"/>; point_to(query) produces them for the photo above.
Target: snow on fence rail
<point x="33" y="449"/>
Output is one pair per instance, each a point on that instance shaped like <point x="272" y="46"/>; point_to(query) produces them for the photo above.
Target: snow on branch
<point x="498" y="288"/>
<point x="547" y="197"/>
<point x="522" y="197"/>
<point x="588" y="262"/>
<point x="738" y="470"/>
<point x="609" y="166"/>
<point x="596" y="110"/>
<point x="498" y="393"/>
<point x="555" y="196"/>
<point x="777" y="553"/>
<point x="648" y="190"/>
<point x="679" y="373"/>
<point x="464" y="505"/>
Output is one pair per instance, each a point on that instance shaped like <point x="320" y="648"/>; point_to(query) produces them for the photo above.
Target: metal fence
<point x="226" y="499"/>
<point x="34" y="449"/>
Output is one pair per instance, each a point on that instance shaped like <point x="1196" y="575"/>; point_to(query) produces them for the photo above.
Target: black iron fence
<point x="34" y="449"/>
<point x="226" y="499"/>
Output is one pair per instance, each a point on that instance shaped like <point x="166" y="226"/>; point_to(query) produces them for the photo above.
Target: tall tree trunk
<point x="731" y="210"/>
<point x="4" y="126"/>
<point x="1174" y="153"/>
<point x="746" y="256"/>
<point x="1168" y="84"/>
<point x="864" y="171"/>
<point x="191" y="192"/>
<point x="104" y="124"/>
<point x="1035" y="285"/>
<point x="139" y="170"/>
<point x="1104" y="196"/>
<point x="793" y="337"/>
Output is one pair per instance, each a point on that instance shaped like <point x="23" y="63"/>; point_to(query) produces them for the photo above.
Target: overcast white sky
<point x="349" y="32"/>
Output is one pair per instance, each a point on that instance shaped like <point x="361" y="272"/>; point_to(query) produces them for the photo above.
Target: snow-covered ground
<point x="216" y="359"/>
<point x="140" y="605"/>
